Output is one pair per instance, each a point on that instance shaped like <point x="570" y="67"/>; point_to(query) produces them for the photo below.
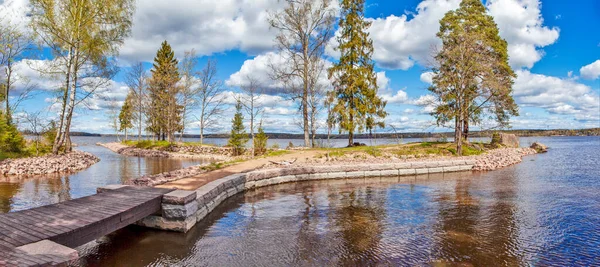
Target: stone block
<point x="452" y="169"/>
<point x="337" y="175"/>
<point x="109" y="187"/>
<point x="404" y="165"/>
<point x="61" y="255"/>
<point x="372" y="173"/>
<point x="419" y="165"/>
<point x="466" y="168"/>
<point x="422" y="171"/>
<point x="431" y="164"/>
<point x="355" y="174"/>
<point x="445" y="163"/>
<point x="179" y="212"/>
<point x="179" y="197"/>
<point x="380" y="167"/>
<point x="201" y="213"/>
<point x="402" y="172"/>
<point x="158" y="222"/>
<point x="388" y="173"/>
<point x="437" y="170"/>
<point x="319" y="176"/>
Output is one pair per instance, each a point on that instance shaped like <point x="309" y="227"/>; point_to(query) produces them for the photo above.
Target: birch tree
<point x="250" y="99"/>
<point x="14" y="43"/>
<point x="83" y="35"/>
<point x="136" y="80"/>
<point x="209" y="97"/>
<point x="305" y="27"/>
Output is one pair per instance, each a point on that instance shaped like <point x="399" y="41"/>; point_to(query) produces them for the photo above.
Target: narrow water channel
<point x="23" y="193"/>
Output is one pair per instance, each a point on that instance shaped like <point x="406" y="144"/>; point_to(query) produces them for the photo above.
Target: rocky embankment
<point x="491" y="160"/>
<point x="165" y="177"/>
<point x="500" y="158"/>
<point x="190" y="152"/>
<point x="70" y="162"/>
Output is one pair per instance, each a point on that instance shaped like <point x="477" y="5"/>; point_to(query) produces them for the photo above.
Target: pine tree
<point x="165" y="113"/>
<point x="260" y="141"/>
<point x="355" y="81"/>
<point x="473" y="76"/>
<point x="239" y="137"/>
<point x="126" y="115"/>
<point x="10" y="138"/>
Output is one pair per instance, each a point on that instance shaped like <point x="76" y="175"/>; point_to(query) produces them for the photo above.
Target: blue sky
<point x="554" y="48"/>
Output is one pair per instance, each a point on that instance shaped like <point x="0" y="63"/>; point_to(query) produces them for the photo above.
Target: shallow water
<point x="24" y="193"/>
<point x="544" y="212"/>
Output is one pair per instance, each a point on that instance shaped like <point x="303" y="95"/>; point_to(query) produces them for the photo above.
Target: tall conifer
<point x="165" y="113"/>
<point x="239" y="137"/>
<point x="355" y="81"/>
<point x="473" y="76"/>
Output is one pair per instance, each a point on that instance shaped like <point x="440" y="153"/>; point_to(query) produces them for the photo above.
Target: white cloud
<point x="402" y="41"/>
<point x="398" y="98"/>
<point x="555" y="95"/>
<point x="427" y="77"/>
<point x="591" y="71"/>
<point x="206" y="25"/>
<point x="521" y="25"/>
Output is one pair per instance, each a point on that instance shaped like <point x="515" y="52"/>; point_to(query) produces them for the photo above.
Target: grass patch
<point x="148" y="144"/>
<point x="275" y="153"/>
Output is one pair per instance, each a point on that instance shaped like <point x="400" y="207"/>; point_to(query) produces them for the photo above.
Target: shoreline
<point x="50" y="164"/>
<point x="126" y="150"/>
<point x="184" y="207"/>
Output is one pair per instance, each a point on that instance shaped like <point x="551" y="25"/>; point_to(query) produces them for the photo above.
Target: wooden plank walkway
<point x="75" y="222"/>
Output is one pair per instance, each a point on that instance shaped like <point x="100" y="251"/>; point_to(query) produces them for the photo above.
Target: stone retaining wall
<point x="182" y="209"/>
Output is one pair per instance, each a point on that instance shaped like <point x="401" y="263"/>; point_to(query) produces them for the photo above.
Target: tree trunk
<point x="466" y="131"/>
<point x="458" y="136"/>
<point x="7" y="90"/>
<point x="59" y="130"/>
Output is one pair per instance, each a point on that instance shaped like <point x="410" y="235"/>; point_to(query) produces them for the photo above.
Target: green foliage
<point x="149" y="144"/>
<point x="238" y="137"/>
<point x="11" y="141"/>
<point x="355" y="81"/>
<point x="260" y="142"/>
<point x="275" y="146"/>
<point x="165" y="115"/>
<point x="473" y="76"/>
<point x="126" y="114"/>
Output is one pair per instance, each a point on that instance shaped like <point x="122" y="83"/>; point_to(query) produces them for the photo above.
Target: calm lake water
<point x="543" y="212"/>
<point x="18" y="194"/>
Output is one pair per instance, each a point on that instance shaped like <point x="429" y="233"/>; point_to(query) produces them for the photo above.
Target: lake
<point x="544" y="212"/>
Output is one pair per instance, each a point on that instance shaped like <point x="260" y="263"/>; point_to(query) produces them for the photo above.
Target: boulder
<point x="539" y="147"/>
<point x="505" y="140"/>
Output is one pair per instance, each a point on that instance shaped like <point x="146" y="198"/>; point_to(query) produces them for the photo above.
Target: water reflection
<point x="22" y="193"/>
<point x="545" y="211"/>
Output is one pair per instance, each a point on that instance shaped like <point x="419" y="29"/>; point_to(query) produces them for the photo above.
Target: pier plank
<point x="75" y="222"/>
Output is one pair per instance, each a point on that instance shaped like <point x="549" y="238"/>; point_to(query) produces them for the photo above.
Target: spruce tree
<point x="260" y="141"/>
<point x="355" y="81"/>
<point x="473" y="76"/>
<point x="126" y="115"/>
<point x="10" y="139"/>
<point x="239" y="137"/>
<point x="165" y="113"/>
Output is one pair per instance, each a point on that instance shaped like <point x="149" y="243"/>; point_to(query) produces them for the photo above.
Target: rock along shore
<point x="66" y="163"/>
<point x="491" y="160"/>
<point x="206" y="153"/>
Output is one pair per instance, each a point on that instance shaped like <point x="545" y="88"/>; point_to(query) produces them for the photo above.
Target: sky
<point x="554" y="48"/>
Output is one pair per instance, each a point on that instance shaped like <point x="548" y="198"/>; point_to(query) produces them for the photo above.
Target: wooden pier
<point x="45" y="235"/>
